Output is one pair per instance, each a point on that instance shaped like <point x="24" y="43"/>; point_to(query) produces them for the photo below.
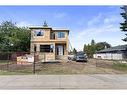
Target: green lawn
<point x="120" y="66"/>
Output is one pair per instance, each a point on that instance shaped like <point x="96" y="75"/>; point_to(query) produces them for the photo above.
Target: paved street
<point x="95" y="81"/>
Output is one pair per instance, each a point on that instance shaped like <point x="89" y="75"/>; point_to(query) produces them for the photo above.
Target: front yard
<point x="91" y="67"/>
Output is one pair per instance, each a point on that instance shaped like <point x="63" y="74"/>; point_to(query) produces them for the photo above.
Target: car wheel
<point x="69" y="58"/>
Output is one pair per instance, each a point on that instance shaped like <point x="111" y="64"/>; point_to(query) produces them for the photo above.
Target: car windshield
<point x="80" y="53"/>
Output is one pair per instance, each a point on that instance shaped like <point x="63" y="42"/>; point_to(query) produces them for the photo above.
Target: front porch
<point x="61" y="51"/>
<point x="51" y="51"/>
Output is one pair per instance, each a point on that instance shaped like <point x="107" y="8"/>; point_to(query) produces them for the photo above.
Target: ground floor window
<point x="46" y="48"/>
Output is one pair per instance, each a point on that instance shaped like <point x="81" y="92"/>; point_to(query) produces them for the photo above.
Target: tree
<point x="8" y="33"/>
<point x="84" y="48"/>
<point x="13" y="38"/>
<point x="91" y="49"/>
<point x="24" y="36"/>
<point x="102" y="45"/>
<point x="124" y="23"/>
<point x="92" y="42"/>
<point x="74" y="51"/>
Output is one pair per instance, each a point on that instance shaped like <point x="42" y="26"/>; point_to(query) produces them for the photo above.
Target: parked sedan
<point x="72" y="57"/>
<point x="81" y="56"/>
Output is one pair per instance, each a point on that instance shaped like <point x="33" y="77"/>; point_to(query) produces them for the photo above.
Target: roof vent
<point x="45" y="24"/>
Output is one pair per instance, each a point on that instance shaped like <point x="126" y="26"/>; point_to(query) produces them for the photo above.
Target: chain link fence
<point x="111" y="64"/>
<point x="20" y="62"/>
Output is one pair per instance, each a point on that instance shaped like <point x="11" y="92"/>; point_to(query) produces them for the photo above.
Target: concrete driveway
<point x="95" y="81"/>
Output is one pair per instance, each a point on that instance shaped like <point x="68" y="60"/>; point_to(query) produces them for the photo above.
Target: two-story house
<point x="49" y="44"/>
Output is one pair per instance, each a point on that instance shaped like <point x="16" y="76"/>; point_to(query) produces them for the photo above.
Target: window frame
<point x="47" y="48"/>
<point x="59" y="35"/>
<point x="36" y="32"/>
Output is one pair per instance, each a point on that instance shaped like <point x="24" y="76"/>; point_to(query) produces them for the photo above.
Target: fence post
<point x="44" y="57"/>
<point x="8" y="62"/>
<point x="96" y="62"/>
<point x="34" y="64"/>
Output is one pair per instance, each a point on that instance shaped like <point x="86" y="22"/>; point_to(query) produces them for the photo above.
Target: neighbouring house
<point x="50" y="44"/>
<point x="115" y="53"/>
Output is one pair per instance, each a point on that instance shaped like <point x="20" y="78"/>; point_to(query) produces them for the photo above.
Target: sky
<point x="85" y="23"/>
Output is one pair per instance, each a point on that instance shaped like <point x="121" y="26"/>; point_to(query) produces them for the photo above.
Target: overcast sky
<point x="85" y="23"/>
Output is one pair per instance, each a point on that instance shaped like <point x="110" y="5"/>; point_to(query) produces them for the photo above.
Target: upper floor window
<point x="52" y="35"/>
<point x="39" y="33"/>
<point x="61" y="35"/>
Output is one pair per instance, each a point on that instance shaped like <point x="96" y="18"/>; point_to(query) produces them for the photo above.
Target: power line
<point x="71" y="48"/>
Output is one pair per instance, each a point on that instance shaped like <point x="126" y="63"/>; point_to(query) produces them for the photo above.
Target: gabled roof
<point x="45" y="26"/>
<point x="39" y="27"/>
<point x="116" y="48"/>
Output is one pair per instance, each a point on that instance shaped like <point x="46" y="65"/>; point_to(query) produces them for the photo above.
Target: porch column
<point x="31" y="47"/>
<point x="38" y="47"/>
<point x="67" y="48"/>
<point x="54" y="49"/>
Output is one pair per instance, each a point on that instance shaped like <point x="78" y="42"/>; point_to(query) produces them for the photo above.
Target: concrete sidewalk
<point x="95" y="81"/>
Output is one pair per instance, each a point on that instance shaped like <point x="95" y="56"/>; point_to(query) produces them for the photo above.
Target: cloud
<point x="112" y="19"/>
<point x="95" y="20"/>
<point x="94" y="31"/>
<point x="99" y="28"/>
<point x="23" y="24"/>
<point x="99" y="25"/>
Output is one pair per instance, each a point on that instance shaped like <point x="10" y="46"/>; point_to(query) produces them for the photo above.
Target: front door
<point x="60" y="50"/>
